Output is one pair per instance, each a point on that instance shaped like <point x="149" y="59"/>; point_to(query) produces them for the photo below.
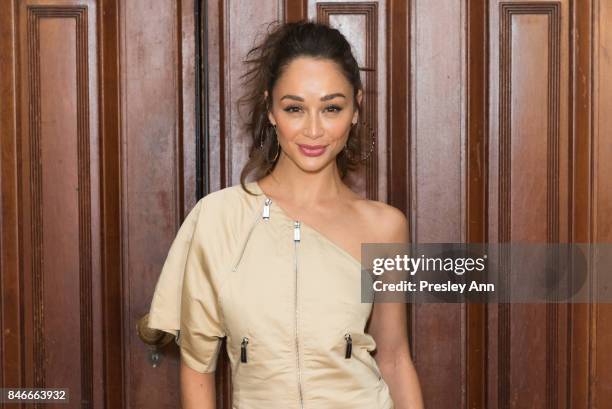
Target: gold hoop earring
<point x="264" y="135"/>
<point x="362" y="157"/>
<point x="278" y="148"/>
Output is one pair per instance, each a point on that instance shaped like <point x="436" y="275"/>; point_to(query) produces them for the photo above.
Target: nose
<point x="313" y="127"/>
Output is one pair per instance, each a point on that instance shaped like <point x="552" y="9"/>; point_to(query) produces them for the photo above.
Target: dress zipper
<point x="296" y="240"/>
<point x="349" y="345"/>
<point x="243" y="349"/>
<point x="265" y="214"/>
<point x="266" y="209"/>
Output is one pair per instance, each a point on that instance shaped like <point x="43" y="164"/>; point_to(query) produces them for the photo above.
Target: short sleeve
<point x="185" y="301"/>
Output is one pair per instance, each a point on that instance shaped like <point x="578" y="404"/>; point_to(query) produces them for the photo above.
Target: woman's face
<point x="313" y="110"/>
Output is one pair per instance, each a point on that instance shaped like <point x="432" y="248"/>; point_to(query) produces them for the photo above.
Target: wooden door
<point x="491" y="124"/>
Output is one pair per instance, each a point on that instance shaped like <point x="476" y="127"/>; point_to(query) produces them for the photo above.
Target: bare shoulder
<point x="385" y="223"/>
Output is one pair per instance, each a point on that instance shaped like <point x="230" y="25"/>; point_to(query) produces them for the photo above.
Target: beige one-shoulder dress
<point x="287" y="298"/>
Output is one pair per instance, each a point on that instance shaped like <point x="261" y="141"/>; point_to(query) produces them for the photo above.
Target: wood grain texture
<point x="296" y="10"/>
<point x="477" y="85"/>
<point x="601" y="314"/>
<point x="529" y="200"/>
<point x="152" y="180"/>
<point x="111" y="375"/>
<point x="437" y="146"/>
<point x="398" y="119"/>
<point x="537" y="134"/>
<point x="580" y="316"/>
<point x="398" y="116"/>
<point x="11" y="334"/>
<point x="59" y="182"/>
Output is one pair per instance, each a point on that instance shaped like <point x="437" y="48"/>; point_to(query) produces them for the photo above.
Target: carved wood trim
<point x="507" y="11"/>
<point x="34" y="15"/>
<point x="110" y="145"/>
<point x="398" y="112"/>
<point x="477" y="123"/>
<point x="295" y="10"/>
<point x="11" y="309"/>
<point x="581" y="354"/>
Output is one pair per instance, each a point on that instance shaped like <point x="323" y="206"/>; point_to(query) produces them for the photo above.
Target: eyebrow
<point x="324" y="98"/>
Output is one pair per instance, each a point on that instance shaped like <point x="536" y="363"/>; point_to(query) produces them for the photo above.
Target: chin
<point x="313" y="164"/>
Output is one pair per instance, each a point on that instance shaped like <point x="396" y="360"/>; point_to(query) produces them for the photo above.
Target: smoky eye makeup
<point x="292" y="108"/>
<point x="333" y="108"/>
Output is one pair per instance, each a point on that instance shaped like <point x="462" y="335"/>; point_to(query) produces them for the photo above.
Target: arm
<point x="201" y="326"/>
<point x="197" y="389"/>
<point x="389" y="329"/>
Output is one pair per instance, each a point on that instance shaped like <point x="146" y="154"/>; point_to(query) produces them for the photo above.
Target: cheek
<point x="288" y="127"/>
<point x="338" y="128"/>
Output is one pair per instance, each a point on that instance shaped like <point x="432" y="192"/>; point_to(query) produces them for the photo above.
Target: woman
<point x="273" y="264"/>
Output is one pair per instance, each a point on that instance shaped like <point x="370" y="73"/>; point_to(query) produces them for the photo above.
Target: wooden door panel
<point x="58" y="195"/>
<point x="528" y="190"/>
<point x="152" y="197"/>
<point x="157" y="163"/>
<point x="437" y="140"/>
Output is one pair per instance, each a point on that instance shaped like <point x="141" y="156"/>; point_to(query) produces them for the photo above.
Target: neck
<point x="288" y="182"/>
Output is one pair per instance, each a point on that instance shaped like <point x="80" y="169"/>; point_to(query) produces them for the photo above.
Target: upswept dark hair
<point x="265" y="63"/>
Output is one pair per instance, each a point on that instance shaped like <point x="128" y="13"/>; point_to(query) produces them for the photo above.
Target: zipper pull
<point x="349" y="345"/>
<point x="296" y="231"/>
<point x="243" y="349"/>
<point x="266" y="210"/>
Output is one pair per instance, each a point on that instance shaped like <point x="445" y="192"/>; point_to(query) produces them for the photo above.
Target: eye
<point x="333" y="108"/>
<point x="292" y="108"/>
